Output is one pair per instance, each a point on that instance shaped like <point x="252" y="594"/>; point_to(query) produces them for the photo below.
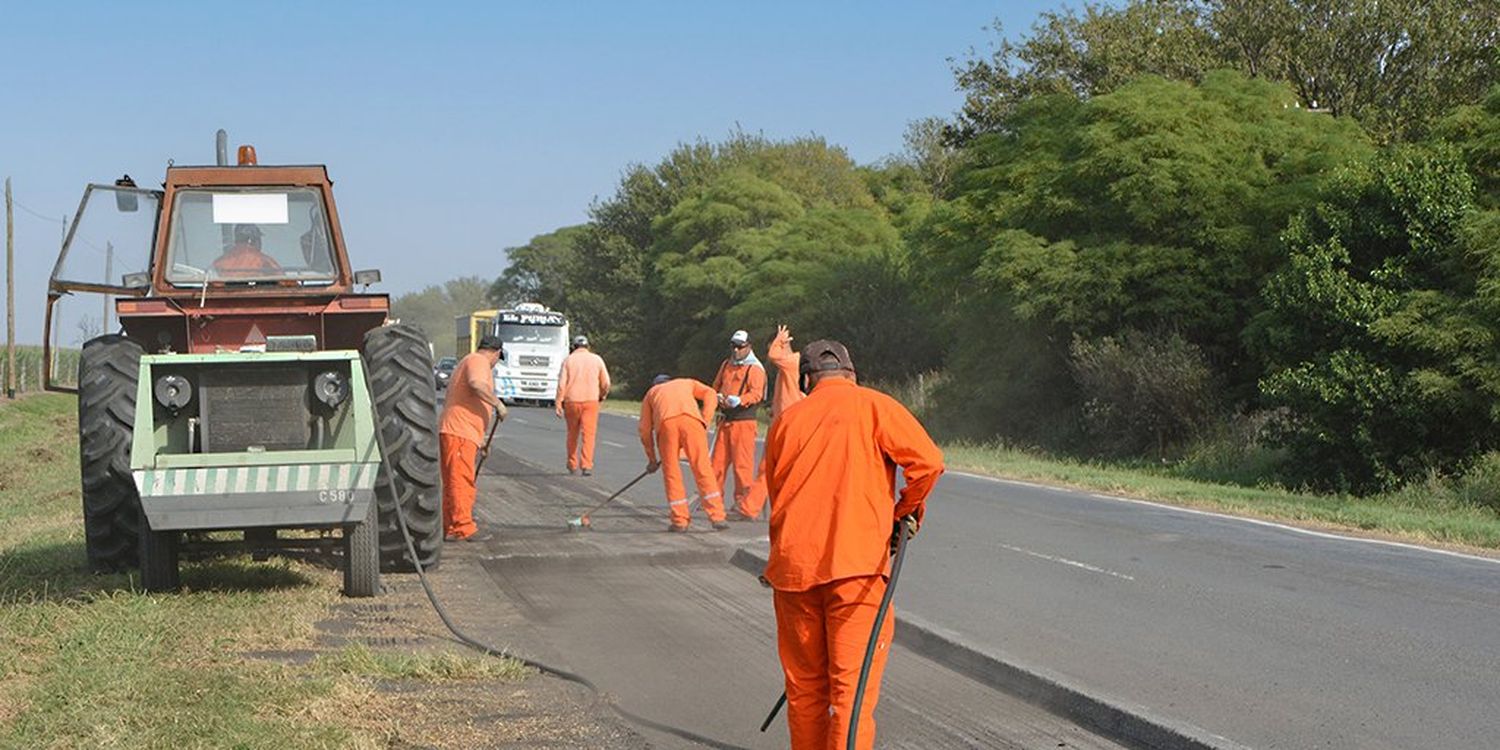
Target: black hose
<point x="864" y="668"/>
<point x="885" y="605"/>
<point x="543" y="667"/>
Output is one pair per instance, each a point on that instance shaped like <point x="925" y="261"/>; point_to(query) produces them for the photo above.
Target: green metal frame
<point x="330" y="486"/>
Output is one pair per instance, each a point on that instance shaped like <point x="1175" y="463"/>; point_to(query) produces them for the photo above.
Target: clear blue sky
<point x="456" y="130"/>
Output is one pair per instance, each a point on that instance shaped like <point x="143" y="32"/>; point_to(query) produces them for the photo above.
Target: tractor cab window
<point x="249" y="236"/>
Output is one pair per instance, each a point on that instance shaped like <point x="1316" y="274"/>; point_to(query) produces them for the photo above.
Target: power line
<point x="39" y="214"/>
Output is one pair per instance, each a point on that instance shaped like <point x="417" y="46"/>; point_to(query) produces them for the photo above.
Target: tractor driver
<point x="244" y="258"/>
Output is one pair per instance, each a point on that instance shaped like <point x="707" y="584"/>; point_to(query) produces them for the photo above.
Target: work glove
<point x="652" y="466"/>
<point x="912" y="526"/>
<point x="732" y="402"/>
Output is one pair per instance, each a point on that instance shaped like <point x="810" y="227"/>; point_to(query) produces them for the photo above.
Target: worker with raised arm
<point x="469" y="405"/>
<point x="784" y="394"/>
<point x="831" y="467"/>
<point x="581" y="384"/>
<point x="675" y="415"/>
<point x="741" y="385"/>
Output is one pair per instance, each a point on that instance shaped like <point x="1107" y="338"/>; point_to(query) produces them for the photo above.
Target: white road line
<point x="1066" y="561"/>
<point x="613" y="444"/>
<point x="1227" y="517"/>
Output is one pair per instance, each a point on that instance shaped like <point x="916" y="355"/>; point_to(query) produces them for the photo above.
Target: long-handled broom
<point x="582" y="522"/>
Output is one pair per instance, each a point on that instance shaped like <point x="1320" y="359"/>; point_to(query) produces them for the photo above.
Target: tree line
<point x="1261" y="235"/>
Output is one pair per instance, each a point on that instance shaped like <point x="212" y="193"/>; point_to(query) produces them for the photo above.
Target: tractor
<point x="251" y="399"/>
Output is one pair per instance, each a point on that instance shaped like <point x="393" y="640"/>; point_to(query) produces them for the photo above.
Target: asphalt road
<point x="1269" y="636"/>
<point x="680" y="638"/>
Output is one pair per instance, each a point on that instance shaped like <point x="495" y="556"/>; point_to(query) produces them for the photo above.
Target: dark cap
<point x="814" y="353"/>
<point x="491" y="341"/>
<point x="659" y="379"/>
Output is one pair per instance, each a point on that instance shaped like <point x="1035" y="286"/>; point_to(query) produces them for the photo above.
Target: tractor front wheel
<point x="362" y="556"/>
<point x="158" y="557"/>
<point x="400" y="373"/>
<point x="107" y="373"/>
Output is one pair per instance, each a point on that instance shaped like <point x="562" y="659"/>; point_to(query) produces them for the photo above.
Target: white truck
<point x="536" y="342"/>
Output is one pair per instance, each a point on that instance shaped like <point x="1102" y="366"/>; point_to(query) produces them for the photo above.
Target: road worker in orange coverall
<point x="830" y="465"/>
<point x="467" y="408"/>
<point x="741" y="385"/>
<point x="678" y="412"/>
<point x="582" y="383"/>
<point x="785" y="393"/>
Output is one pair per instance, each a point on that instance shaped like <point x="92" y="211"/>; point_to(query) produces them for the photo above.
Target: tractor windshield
<point x="249" y="235"/>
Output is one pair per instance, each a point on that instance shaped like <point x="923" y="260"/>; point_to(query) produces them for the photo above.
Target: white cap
<point x="739" y="337"/>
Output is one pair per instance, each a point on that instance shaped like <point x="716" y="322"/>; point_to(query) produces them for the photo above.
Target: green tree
<point x="1395" y="66"/>
<point x="539" y="270"/>
<point x="1156" y="205"/>
<point x="1381" y="336"/>
<point x="434" y="309"/>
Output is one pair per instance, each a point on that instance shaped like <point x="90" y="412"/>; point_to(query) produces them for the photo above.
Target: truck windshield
<point x="249" y="235"/>
<point x="513" y="333"/>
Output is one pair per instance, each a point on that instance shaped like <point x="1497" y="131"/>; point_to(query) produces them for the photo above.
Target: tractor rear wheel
<point x="362" y="556"/>
<point x="400" y="372"/>
<point x="107" y="373"/>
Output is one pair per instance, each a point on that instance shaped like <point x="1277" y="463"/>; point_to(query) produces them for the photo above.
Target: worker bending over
<point x="831" y="467"/>
<point x="785" y="393"/>
<point x="467" y="409"/>
<point x="678" y="412"/>
<point x="741" y="385"/>
<point x="581" y="384"/>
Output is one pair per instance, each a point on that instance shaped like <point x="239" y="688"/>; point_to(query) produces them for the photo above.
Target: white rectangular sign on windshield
<point x="250" y="208"/>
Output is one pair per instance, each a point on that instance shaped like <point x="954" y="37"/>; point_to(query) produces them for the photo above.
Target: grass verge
<point x="90" y="661"/>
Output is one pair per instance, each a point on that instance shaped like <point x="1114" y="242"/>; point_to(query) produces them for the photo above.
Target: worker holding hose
<point x="830" y="466"/>
<point x="467" y="407"/>
<point x="675" y="415"/>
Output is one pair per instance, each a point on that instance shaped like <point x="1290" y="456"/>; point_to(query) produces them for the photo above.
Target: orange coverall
<point x="736" y="441"/>
<point x="678" y="412"/>
<point x="245" y="260"/>
<point x="466" y="409"/>
<point x="785" y="393"/>
<point x="581" y="384"/>
<point x="830" y="464"/>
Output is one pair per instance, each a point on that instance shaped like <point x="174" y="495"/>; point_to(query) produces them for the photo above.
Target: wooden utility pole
<point x="10" y="295"/>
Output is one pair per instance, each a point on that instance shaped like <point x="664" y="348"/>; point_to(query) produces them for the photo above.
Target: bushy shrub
<point x="1143" y="392"/>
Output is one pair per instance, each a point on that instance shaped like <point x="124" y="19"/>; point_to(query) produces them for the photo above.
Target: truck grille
<point x="532" y="361"/>
<point x="255" y="407"/>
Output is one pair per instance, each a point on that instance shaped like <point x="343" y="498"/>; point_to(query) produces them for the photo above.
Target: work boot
<point x="675" y="529"/>
<point x="738" y="517"/>
<point x="588" y="472"/>
<point x="721" y="525"/>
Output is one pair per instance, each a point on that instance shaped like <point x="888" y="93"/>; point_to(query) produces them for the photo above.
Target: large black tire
<point x="158" y="558"/>
<point x="107" y="373"/>
<point x="362" y="557"/>
<point x="400" y="372"/>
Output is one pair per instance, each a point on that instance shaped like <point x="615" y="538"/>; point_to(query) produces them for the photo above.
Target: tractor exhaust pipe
<point x="221" y="148"/>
